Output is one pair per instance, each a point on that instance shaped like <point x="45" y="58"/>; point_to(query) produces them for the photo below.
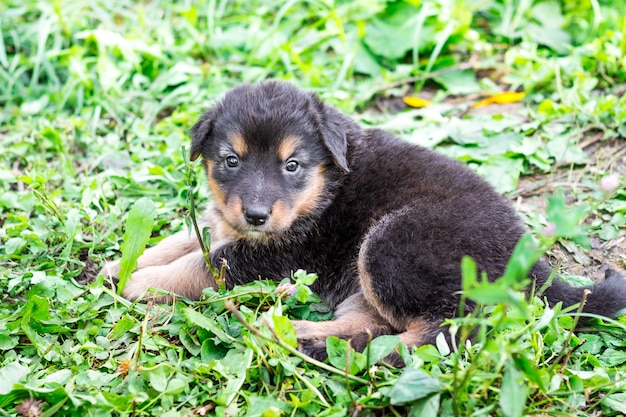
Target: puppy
<point x="298" y="185"/>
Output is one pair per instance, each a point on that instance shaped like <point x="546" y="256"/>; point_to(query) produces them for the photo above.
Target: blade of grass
<point x="138" y="229"/>
<point x="443" y="37"/>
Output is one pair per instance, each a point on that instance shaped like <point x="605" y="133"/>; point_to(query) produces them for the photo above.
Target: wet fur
<point x="382" y="222"/>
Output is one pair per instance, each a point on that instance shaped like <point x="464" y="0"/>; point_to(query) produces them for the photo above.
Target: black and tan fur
<point x="298" y="185"/>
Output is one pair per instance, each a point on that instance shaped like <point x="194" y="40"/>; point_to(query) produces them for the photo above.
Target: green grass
<point x="97" y="99"/>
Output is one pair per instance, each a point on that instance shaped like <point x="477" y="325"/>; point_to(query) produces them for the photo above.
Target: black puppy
<point x="297" y="184"/>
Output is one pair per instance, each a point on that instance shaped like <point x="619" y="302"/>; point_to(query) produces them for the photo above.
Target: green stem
<point x="231" y="306"/>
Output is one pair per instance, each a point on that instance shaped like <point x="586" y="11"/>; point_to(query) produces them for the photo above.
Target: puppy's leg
<point x="166" y="251"/>
<point x="186" y="276"/>
<point x="355" y="320"/>
<point x="176" y="264"/>
<point x="409" y="273"/>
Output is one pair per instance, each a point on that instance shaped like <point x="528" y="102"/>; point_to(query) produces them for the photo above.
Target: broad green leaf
<point x="138" y="229"/>
<point x="489" y="293"/>
<point x="41" y="343"/>
<point x="342" y="356"/>
<point x="598" y="377"/>
<point x="564" y="149"/>
<point x="593" y="343"/>
<point x="412" y="385"/>
<point x="122" y="327"/>
<point x="197" y="319"/>
<point x="427" y="407"/>
<point x="72" y="222"/>
<point x="33" y="107"/>
<point x="608" y="232"/>
<point x="158" y="378"/>
<point x="615" y="402"/>
<point x="458" y="81"/>
<point x="302" y="293"/>
<point x="285" y="330"/>
<point x="206" y="237"/>
<point x="302" y="277"/>
<point x="531" y="371"/>
<point x="266" y="406"/>
<point x="238" y="364"/>
<point x="189" y="342"/>
<point x="502" y="172"/>
<point x="612" y="357"/>
<point x="211" y="351"/>
<point x="10" y="375"/>
<point x="176" y="386"/>
<point x="8" y="342"/>
<point x="37" y="309"/>
<point x="549" y="30"/>
<point x="568" y="219"/>
<point x="428" y="353"/>
<point x="391" y="35"/>
<point x="14" y="245"/>
<point x="88" y="378"/>
<point x="381" y="347"/>
<point x="365" y="62"/>
<point x="512" y="392"/>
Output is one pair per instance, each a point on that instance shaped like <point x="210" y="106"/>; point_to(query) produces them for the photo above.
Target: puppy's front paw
<point x="141" y="281"/>
<point x="306" y="330"/>
<point x="187" y="276"/>
<point x="311" y="341"/>
<point x="111" y="270"/>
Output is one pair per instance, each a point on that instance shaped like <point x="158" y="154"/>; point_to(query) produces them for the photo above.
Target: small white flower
<point x="609" y="183"/>
<point x="285" y="289"/>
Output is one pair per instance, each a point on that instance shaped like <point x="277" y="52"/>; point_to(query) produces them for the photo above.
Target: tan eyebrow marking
<point x="239" y="143"/>
<point x="287" y="147"/>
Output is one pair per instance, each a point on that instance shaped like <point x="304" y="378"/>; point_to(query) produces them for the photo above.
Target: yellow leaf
<point x="483" y="103"/>
<point x="416" y="102"/>
<point x="508" y="97"/>
<point x="501" y="98"/>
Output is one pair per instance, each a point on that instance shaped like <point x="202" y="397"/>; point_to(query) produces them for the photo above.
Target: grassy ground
<point x="97" y="99"/>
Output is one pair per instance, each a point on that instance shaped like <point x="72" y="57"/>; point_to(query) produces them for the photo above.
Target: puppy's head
<point x="274" y="155"/>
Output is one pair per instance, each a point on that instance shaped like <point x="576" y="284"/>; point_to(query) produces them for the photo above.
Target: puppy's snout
<point x="256" y="216"/>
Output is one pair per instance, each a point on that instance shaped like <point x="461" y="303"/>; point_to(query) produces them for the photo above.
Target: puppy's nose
<point x="256" y="216"/>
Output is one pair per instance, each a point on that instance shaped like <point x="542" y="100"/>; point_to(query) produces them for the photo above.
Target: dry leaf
<point x="124" y="366"/>
<point x="501" y="98"/>
<point x="416" y="102"/>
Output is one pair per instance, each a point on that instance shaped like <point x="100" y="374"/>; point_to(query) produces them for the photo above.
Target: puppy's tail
<point x="605" y="299"/>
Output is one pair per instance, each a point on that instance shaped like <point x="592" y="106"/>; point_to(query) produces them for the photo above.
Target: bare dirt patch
<point x="605" y="156"/>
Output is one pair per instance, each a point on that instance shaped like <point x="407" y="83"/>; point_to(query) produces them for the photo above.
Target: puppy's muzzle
<point x="256" y="215"/>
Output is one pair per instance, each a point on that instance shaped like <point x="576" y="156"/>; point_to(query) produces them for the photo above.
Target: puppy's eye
<point x="292" y="165"/>
<point x="232" y="161"/>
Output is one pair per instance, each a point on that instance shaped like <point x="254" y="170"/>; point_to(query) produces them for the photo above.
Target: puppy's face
<point x="262" y="191"/>
<point x="267" y="160"/>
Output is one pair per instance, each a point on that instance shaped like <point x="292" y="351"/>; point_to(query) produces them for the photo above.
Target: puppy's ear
<point x="334" y="136"/>
<point x="200" y="133"/>
<point x="333" y="133"/>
